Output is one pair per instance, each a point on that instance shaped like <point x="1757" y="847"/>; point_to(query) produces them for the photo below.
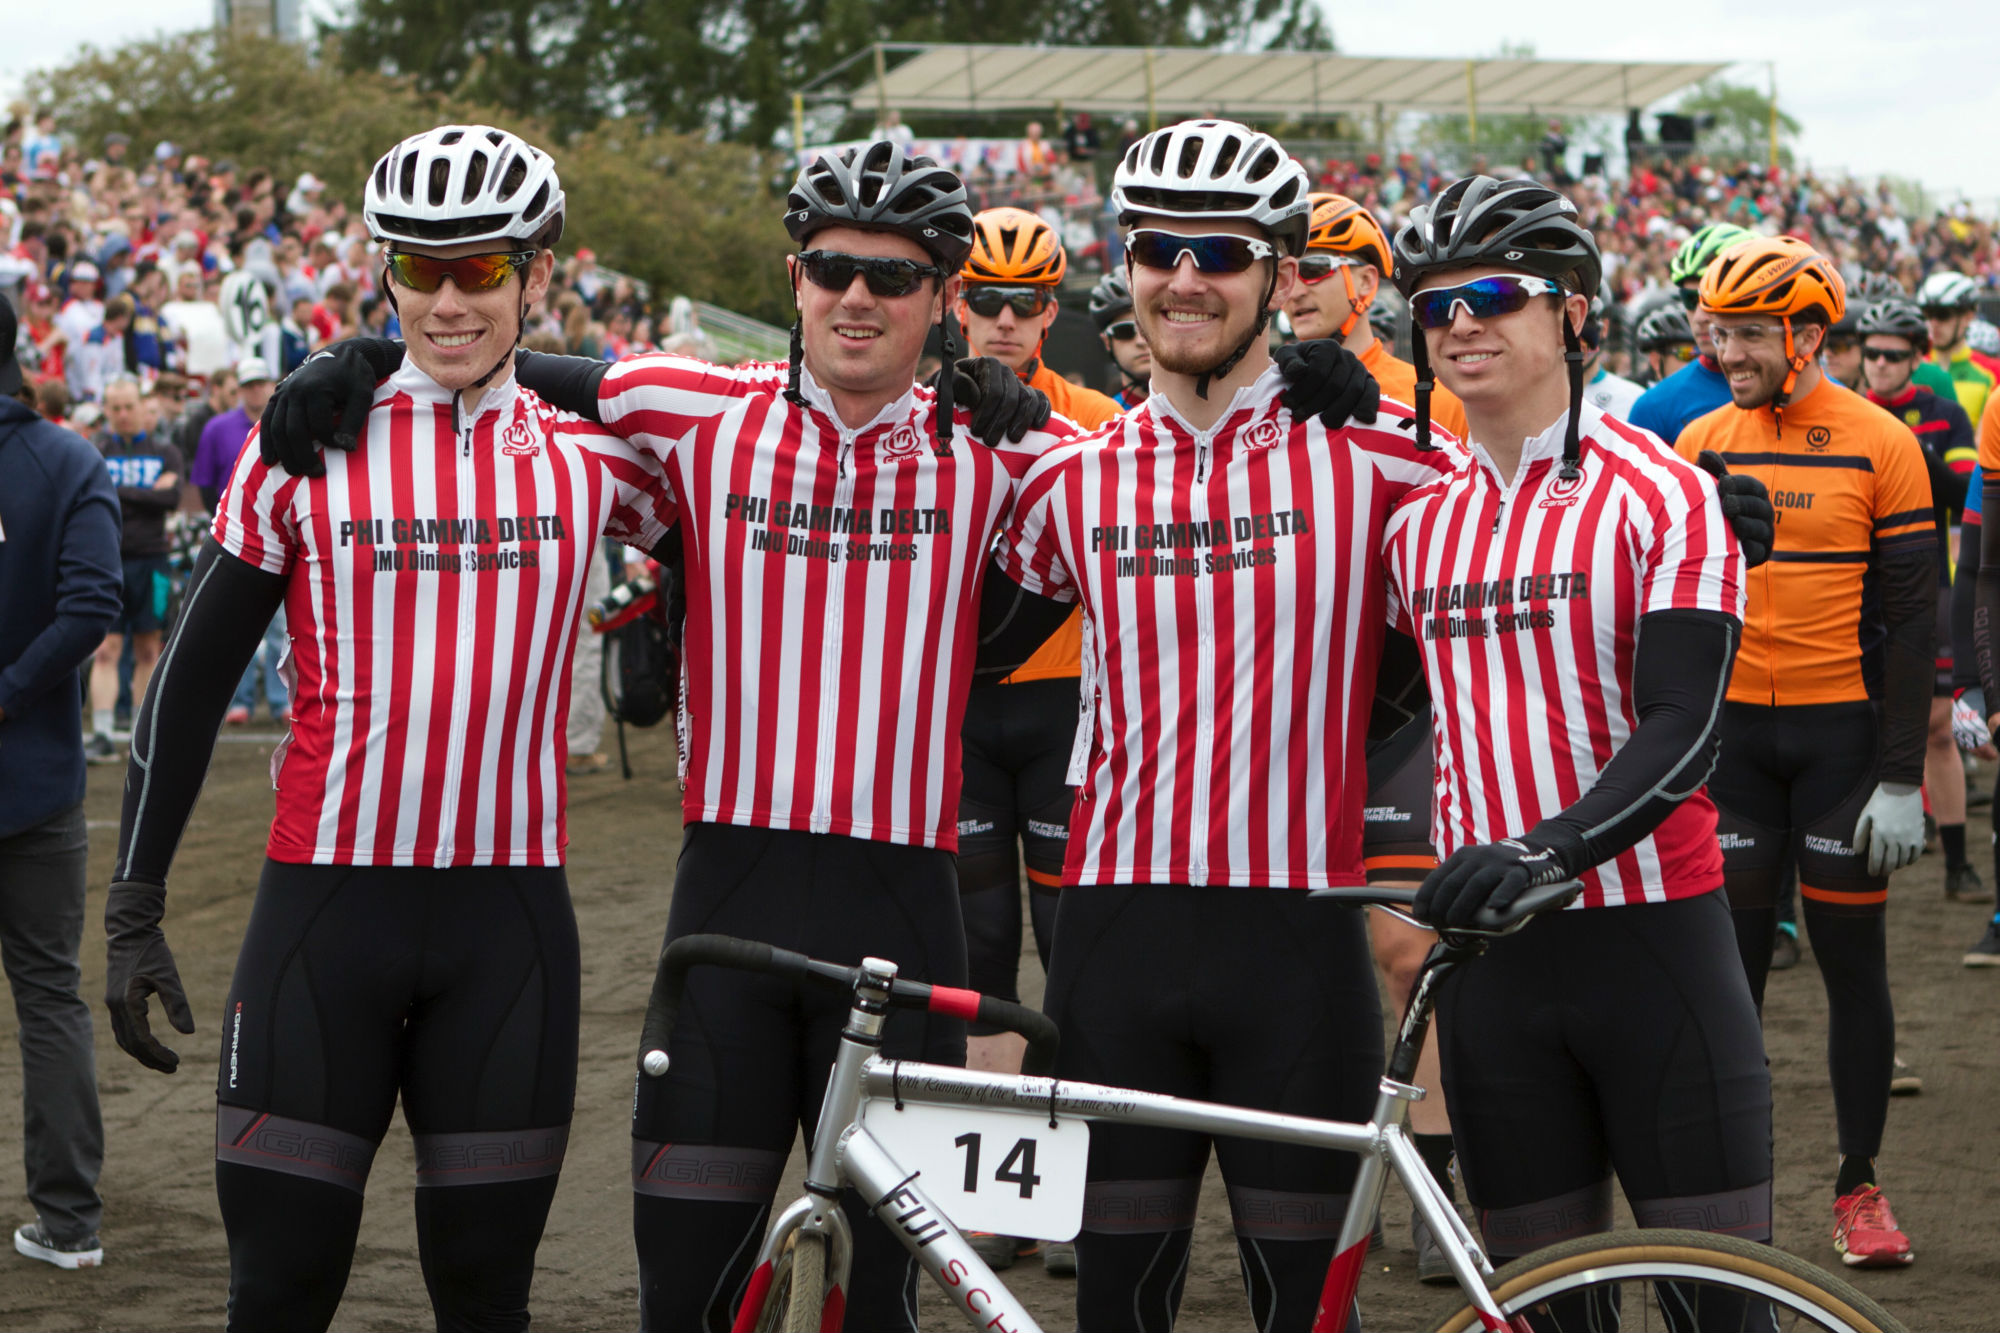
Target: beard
<point x="1195" y="356"/>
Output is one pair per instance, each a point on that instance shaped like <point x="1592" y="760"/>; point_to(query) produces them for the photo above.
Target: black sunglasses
<point x="987" y="301"/>
<point x="1889" y="354"/>
<point x="1122" y="331"/>
<point x="1212" y="254"/>
<point x="1942" y="311"/>
<point x="1690" y="298"/>
<point x="886" y="277"/>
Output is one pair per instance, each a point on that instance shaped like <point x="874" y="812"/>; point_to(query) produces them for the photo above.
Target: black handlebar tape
<point x="690" y="951"/>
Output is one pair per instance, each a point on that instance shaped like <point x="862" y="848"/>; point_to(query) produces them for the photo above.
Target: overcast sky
<point x="1906" y="86"/>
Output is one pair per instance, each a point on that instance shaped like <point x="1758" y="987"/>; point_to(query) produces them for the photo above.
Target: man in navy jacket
<point x="60" y="588"/>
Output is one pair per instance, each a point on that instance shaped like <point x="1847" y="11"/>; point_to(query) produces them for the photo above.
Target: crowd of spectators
<point x="169" y="268"/>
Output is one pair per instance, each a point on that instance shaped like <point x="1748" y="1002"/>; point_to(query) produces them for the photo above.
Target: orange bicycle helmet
<point x="1341" y="225"/>
<point x="1014" y="245"/>
<point x="1776" y="275"/>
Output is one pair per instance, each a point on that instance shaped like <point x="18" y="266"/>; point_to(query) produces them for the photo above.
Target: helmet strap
<point x="1420" y="358"/>
<point x="1235" y="358"/>
<point x="1359" y="303"/>
<point x="1794" y="363"/>
<point x="798" y="358"/>
<point x="1572" y="433"/>
<point x="948" y="341"/>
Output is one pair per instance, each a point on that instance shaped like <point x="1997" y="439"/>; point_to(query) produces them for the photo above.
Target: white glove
<point x="1968" y="720"/>
<point x="1890" y="832"/>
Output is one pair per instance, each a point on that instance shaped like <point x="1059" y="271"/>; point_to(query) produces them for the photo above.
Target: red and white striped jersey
<point x="437" y="581"/>
<point x="833" y="590"/>
<point x="1525" y="603"/>
<point x="1232" y="589"/>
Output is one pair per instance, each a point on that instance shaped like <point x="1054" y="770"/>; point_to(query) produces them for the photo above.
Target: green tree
<point x="1734" y="120"/>
<point x="684" y="214"/>
<point x="727" y="67"/>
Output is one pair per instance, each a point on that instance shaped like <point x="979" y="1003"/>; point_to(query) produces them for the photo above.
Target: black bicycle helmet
<point x="1520" y="224"/>
<point x="1896" y="318"/>
<point x="1871" y="287"/>
<point x="1110" y="299"/>
<point x="1515" y="224"/>
<point x="880" y="187"/>
<point x="1382" y="319"/>
<point x="1666" y="327"/>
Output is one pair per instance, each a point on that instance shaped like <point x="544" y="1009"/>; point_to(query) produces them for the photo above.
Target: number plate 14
<point x="999" y="1171"/>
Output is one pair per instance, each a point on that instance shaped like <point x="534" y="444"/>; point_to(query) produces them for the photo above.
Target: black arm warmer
<point x="1401" y="692"/>
<point x="1680" y="673"/>
<point x="1986" y="590"/>
<point x="1907" y="580"/>
<point x="1964" y="658"/>
<point x="672" y="586"/>
<point x="1013" y="622"/>
<point x="228" y="607"/>
<point x="566" y="382"/>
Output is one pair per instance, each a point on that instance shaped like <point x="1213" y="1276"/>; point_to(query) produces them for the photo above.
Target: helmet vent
<point x="475" y="176"/>
<point x="1225" y="156"/>
<point x="440" y="182"/>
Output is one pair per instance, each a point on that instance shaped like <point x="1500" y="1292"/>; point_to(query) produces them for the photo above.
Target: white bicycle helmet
<point x="1983" y="338"/>
<point x="1953" y="291"/>
<point x="1215" y="169"/>
<point x="461" y="183"/>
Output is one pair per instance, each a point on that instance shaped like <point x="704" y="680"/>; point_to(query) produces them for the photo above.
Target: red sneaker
<point x="1865" y="1231"/>
<point x="237" y="717"/>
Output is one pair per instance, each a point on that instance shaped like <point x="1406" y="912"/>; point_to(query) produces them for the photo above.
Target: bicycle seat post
<point x="860" y="1039"/>
<point x="1444" y="958"/>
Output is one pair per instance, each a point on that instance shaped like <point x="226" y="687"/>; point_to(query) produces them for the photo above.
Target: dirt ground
<point x="167" y="1263"/>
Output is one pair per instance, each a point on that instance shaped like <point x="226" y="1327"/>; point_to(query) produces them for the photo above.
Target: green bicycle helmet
<point x="1698" y="251"/>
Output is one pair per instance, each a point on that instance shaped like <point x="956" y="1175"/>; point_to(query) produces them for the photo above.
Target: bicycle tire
<point x="805" y="1300"/>
<point x="1666" y="1255"/>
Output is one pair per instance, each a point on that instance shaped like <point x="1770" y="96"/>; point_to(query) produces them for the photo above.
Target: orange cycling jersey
<point x="1398" y="380"/>
<point x="1062" y="653"/>
<point x="1849" y="485"/>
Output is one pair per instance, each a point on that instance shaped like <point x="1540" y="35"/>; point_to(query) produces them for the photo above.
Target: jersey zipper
<point x="1204" y="725"/>
<point x="821" y="819"/>
<point x="461" y="704"/>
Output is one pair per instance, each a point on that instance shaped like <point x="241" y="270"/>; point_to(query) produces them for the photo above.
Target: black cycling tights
<point x="1788" y="790"/>
<point x="750" y="1055"/>
<point x="1256" y="997"/>
<point x="455" y="989"/>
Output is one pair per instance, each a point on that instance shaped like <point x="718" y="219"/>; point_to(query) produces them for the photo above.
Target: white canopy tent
<point x="1175" y="82"/>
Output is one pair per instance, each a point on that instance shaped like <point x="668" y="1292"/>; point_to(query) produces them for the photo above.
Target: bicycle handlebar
<point x="1533" y="902"/>
<point x="754" y="956"/>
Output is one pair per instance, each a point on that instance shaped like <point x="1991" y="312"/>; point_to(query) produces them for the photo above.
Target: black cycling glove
<point x="324" y="403"/>
<point x="1003" y="407"/>
<point x="1747" y="506"/>
<point x="137" y="964"/>
<point x="1486" y="875"/>
<point x="1325" y="380"/>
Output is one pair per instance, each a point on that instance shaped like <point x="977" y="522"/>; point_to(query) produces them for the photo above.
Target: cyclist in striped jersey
<point x="1574" y="591"/>
<point x="412" y="934"/>
<point x="1225" y="554"/>
<point x="834" y="539"/>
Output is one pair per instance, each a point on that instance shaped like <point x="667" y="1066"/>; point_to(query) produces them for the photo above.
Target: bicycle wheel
<point x="1681" y="1281"/>
<point x="797" y="1294"/>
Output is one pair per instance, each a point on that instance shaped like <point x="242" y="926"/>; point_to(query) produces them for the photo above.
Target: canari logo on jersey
<point x="518" y="441"/>
<point x="903" y="442"/>
<point x="1563" y="491"/>
<point x="1263" y="435"/>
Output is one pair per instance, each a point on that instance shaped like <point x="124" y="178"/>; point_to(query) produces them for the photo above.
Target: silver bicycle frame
<point x="845" y="1153"/>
